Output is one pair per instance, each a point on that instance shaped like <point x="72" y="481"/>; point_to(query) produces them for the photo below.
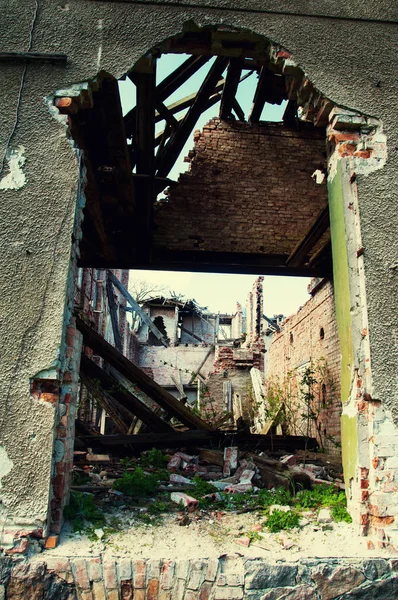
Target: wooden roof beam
<point x="115" y="390"/>
<point x="298" y="256"/>
<point x="168" y="86"/>
<point x="171" y="151"/>
<point x="230" y="87"/>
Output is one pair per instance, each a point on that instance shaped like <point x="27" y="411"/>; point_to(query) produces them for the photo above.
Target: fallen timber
<point x="134" y="374"/>
<point x="215" y="439"/>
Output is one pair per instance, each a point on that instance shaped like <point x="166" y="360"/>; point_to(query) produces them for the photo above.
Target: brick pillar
<point x="369" y="433"/>
<point x="65" y="430"/>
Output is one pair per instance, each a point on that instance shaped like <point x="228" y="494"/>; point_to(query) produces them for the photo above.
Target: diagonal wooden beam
<point x="298" y="256"/>
<point x="259" y="96"/>
<point x="238" y="110"/>
<point x="211" y="102"/>
<point x="168" y="86"/>
<point x="230" y="87"/>
<point x="113" y="312"/>
<point x="134" y="374"/>
<point x="165" y="114"/>
<point x="270" y="88"/>
<point x="118" y="284"/>
<point x="106" y="402"/>
<point x="177" y="141"/>
<point x="117" y="391"/>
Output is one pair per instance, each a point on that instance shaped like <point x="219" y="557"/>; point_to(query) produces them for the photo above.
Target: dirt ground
<point x="213" y="534"/>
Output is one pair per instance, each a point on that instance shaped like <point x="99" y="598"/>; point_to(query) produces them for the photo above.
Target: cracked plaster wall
<point x="344" y="59"/>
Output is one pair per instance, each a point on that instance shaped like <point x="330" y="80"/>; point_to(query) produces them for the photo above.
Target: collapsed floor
<point x="209" y="502"/>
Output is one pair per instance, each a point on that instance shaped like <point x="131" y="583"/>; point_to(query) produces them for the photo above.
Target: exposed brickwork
<point x="253" y="178"/>
<point x="308" y="336"/>
<point x="65" y="431"/>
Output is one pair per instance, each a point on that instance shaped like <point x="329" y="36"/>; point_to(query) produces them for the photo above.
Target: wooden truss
<point x="127" y="159"/>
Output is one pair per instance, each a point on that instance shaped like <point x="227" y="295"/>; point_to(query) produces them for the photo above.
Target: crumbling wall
<point x="248" y="181"/>
<point x="231" y="365"/>
<point x="305" y="339"/>
<point x="162" y="363"/>
<point x="204" y="328"/>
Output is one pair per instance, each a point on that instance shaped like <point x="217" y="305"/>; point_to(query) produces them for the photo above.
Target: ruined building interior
<point x="91" y="371"/>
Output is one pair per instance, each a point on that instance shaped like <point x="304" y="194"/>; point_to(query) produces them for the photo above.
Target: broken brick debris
<point x="187" y="501"/>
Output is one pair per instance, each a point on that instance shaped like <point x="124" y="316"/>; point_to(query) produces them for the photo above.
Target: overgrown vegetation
<point x="298" y="402"/>
<point x="154" y="458"/>
<point x="82" y="512"/>
<point x="137" y="483"/>
<point x="280" y="519"/>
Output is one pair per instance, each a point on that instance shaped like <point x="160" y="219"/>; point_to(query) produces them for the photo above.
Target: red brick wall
<point x="300" y="342"/>
<point x="244" y="185"/>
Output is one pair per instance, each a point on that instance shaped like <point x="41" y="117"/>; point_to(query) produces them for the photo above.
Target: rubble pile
<point x="208" y="486"/>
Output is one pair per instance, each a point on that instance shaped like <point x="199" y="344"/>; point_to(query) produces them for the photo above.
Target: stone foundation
<point x="229" y="577"/>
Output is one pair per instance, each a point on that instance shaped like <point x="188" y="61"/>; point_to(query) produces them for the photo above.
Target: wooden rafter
<point x="168" y="86"/>
<point x="300" y="253"/>
<point x="106" y="402"/>
<point x="172" y="149"/>
<point x="230" y="88"/>
<point x="145" y="81"/>
<point x="113" y="312"/>
<point x="167" y="131"/>
<point x="137" y="308"/>
<point x="270" y="88"/>
<point x="134" y="374"/>
<point x="117" y="391"/>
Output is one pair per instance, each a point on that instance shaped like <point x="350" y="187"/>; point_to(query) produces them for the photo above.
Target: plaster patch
<point x="5" y="464"/>
<point x="16" y="178"/>
<point x="59" y="451"/>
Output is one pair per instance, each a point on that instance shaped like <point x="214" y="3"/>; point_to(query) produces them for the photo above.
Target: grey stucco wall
<point x="343" y="58"/>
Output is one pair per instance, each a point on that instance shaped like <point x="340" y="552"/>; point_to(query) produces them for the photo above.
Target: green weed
<point x="137" y="484"/>
<point x="340" y="513"/>
<point x="154" y="458"/>
<point x="282" y="520"/>
<point x="81" y="510"/>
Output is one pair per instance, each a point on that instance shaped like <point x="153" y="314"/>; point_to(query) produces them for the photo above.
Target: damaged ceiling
<point x="126" y="164"/>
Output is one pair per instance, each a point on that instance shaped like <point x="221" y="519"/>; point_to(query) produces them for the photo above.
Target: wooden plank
<point x="202" y="362"/>
<point x="299" y="255"/>
<point x="227" y="262"/>
<point x="230" y="87"/>
<point x="135" y="375"/>
<point x="166" y="114"/>
<point x="290" y="117"/>
<point x="238" y="110"/>
<point x="105" y="400"/>
<point x="180" y="389"/>
<point x="168" y="86"/>
<point x="172" y="150"/>
<point x="118" y="392"/>
<point x="270" y="88"/>
<point x="137" y="308"/>
<point x="259" y="97"/>
<point x="113" y="312"/>
<point x="199" y="437"/>
<point x="212" y="457"/>
<point x="227" y="395"/>
<point x="145" y="81"/>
